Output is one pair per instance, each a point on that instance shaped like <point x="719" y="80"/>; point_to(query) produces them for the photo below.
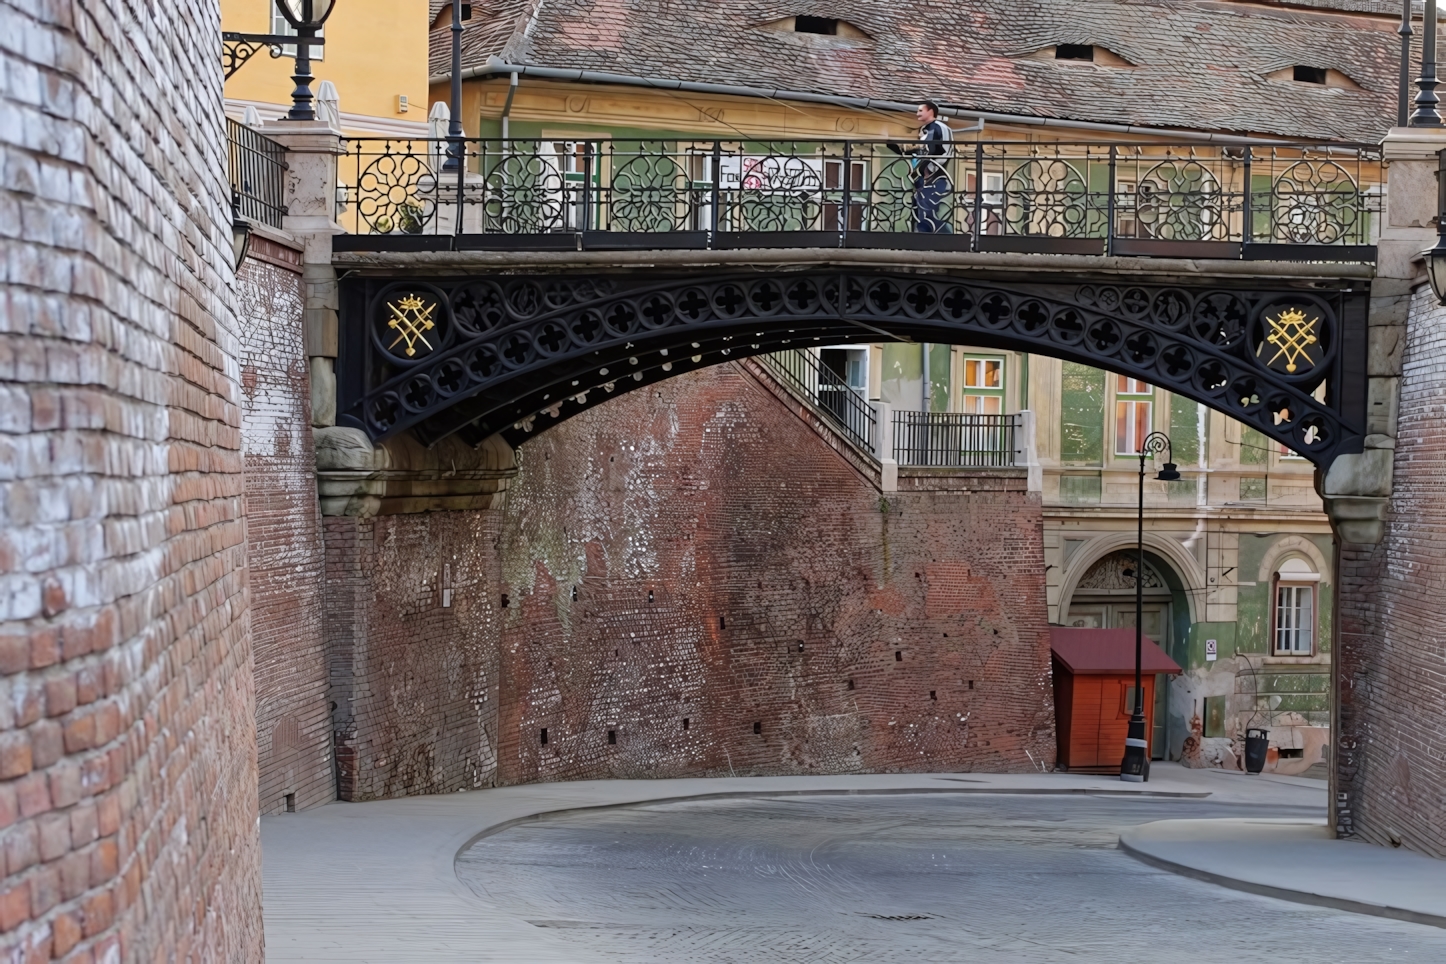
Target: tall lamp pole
<point x="454" y="125"/>
<point x="1136" y="766"/>
<point x="1403" y="99"/>
<point x="1426" y="114"/>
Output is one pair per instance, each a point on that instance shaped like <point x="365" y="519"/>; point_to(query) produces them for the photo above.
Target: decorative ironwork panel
<point x="493" y="354"/>
<point x="1192" y="201"/>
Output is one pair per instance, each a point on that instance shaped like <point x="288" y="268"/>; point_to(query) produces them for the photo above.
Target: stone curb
<point x="1281" y="893"/>
<point x="853" y="792"/>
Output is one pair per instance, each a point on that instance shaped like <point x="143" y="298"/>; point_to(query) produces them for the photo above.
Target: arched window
<point x="1293" y="622"/>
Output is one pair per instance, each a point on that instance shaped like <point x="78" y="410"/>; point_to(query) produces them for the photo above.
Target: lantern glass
<point x="305" y="13"/>
<point x="1436" y="270"/>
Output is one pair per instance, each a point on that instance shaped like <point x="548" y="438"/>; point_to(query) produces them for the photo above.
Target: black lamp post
<point x="1403" y="102"/>
<point x="1426" y="114"/>
<point x="1136" y="766"/>
<point x="306" y="16"/>
<point x="460" y="12"/>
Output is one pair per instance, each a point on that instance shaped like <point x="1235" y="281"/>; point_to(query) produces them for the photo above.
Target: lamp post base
<point x="1135" y="768"/>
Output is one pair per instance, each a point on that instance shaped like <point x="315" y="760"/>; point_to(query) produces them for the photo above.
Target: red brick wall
<point x="1391" y="661"/>
<point x="128" y="822"/>
<point x="709" y="533"/>
<point x="732" y="570"/>
<point x="412" y="646"/>
<point x="283" y="535"/>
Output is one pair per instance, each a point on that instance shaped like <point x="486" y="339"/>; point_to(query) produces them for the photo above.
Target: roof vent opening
<point x="1308" y="75"/>
<point x="1074" y="52"/>
<point x="824" y="25"/>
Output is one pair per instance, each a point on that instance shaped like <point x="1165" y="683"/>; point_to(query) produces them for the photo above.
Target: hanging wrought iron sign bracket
<point x="237" y="48"/>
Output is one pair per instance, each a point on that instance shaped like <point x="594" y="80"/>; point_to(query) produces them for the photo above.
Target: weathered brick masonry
<point x="127" y="756"/>
<point x="690" y="581"/>
<point x="283" y="535"/>
<point x="410" y="620"/>
<point x="1392" y="654"/>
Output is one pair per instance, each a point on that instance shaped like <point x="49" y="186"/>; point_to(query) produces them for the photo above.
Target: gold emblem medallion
<point x="411" y="318"/>
<point x="1293" y="334"/>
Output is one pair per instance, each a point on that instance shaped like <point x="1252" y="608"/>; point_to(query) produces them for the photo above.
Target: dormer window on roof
<point x="811" y="27"/>
<point x="1316" y="76"/>
<point x="1080" y="54"/>
<point x="444" y="15"/>
<point x="824" y="25"/>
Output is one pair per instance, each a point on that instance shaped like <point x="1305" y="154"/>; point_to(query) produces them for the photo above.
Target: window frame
<point x="1133" y="398"/>
<point x="966" y="391"/>
<point x="1291" y="580"/>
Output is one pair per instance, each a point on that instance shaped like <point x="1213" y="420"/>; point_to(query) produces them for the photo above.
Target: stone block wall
<point x="689" y="580"/>
<point x="127" y="757"/>
<point x="1392" y="654"/>
<point x="283" y="534"/>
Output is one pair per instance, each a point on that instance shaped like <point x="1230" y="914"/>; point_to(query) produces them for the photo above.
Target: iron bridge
<point x="478" y="354"/>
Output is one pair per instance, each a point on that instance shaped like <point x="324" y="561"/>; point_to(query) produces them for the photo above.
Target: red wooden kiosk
<point x="1094" y="674"/>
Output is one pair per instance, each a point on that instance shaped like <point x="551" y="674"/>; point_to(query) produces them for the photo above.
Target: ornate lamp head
<point x="305" y="13"/>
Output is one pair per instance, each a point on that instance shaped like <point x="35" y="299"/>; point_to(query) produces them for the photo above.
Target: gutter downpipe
<point x="495" y="65"/>
<point x="507" y="107"/>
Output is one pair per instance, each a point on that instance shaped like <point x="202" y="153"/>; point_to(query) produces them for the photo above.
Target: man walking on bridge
<point x="931" y="181"/>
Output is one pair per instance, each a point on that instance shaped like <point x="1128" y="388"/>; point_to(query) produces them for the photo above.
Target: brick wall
<point x="695" y="552"/>
<point x="127" y="763"/>
<point x="689" y="580"/>
<point x="412" y="646"/>
<point x="283" y="535"/>
<point x="1391" y="661"/>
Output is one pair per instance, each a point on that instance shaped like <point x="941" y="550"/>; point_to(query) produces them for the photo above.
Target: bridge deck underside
<point x="488" y="350"/>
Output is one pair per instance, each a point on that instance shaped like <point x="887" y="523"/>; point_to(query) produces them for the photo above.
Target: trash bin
<point x="1256" y="745"/>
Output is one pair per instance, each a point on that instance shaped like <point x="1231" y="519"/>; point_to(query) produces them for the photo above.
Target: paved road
<point x="926" y="877"/>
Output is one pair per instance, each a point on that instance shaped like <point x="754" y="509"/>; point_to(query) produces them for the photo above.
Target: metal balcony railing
<point x="1320" y="202"/>
<point x="256" y="165"/>
<point x="955" y="440"/>
<point x="828" y="391"/>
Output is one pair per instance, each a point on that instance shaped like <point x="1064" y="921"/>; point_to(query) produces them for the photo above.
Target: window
<point x="1309" y="75"/>
<point x="1075" y="52"/>
<point x="1295" y="595"/>
<point x="983" y="386"/>
<point x="282" y="27"/>
<point x="824" y="25"/>
<point x="1134" y="412"/>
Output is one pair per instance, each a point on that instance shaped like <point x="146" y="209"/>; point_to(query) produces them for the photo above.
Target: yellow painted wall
<point x="375" y="50"/>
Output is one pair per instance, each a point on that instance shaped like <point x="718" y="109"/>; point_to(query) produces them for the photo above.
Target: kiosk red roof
<point x="1103" y="651"/>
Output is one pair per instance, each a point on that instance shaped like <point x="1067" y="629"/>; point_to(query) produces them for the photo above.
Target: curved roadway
<point x="906" y="877"/>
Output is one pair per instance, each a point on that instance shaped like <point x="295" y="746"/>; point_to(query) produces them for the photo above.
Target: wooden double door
<point x="1116" y="612"/>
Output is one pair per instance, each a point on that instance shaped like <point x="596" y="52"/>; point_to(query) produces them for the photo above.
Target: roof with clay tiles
<point x="1190" y="64"/>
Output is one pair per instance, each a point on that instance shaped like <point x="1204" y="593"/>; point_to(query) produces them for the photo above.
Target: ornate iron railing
<point x="830" y="393"/>
<point x="953" y="439"/>
<point x="1307" y="202"/>
<point x="257" y="166"/>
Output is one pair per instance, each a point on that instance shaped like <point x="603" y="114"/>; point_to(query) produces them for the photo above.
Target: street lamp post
<point x="1426" y="114"/>
<point x="1136" y="766"/>
<point x="306" y="16"/>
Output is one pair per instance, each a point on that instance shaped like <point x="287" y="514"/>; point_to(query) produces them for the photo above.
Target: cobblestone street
<point x="907" y="877"/>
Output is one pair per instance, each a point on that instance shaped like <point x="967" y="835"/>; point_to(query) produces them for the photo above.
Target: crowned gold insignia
<point x="411" y="319"/>
<point x="1292" y="335"/>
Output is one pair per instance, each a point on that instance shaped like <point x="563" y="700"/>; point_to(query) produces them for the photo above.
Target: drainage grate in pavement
<point x="899" y="916"/>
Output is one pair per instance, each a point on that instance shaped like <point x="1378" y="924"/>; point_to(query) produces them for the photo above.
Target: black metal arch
<point x="506" y="353"/>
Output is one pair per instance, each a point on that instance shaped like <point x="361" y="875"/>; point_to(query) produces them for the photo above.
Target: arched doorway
<point x="1104" y="597"/>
